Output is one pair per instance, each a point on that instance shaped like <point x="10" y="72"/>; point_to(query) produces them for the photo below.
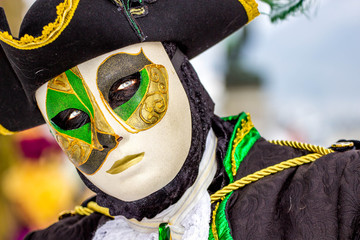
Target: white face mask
<point x="123" y="119"/>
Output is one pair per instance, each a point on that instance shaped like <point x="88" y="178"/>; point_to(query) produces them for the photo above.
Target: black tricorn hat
<point x="57" y="35"/>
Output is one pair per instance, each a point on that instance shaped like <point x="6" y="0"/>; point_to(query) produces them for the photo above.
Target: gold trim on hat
<point x="4" y="131"/>
<point x="251" y="8"/>
<point x="65" y="12"/>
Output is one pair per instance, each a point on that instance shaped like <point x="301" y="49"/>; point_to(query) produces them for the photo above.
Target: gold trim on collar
<point x="65" y="12"/>
<point x="4" y="131"/>
<point x="241" y="132"/>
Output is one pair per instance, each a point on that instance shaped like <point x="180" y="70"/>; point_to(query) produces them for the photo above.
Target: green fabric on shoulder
<point x="242" y="140"/>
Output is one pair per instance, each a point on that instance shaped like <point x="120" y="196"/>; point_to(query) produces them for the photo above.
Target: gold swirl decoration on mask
<point x="77" y="151"/>
<point x="155" y="102"/>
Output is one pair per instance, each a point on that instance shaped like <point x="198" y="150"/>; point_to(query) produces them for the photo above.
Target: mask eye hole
<point x="124" y="89"/>
<point x="71" y="119"/>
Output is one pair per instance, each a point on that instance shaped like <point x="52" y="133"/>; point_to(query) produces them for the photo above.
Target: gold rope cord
<point x="303" y="146"/>
<point x="86" y="211"/>
<point x="319" y="152"/>
<point x="103" y="210"/>
<point x="83" y="210"/>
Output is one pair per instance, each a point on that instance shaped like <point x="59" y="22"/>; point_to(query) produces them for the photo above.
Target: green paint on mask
<point x="54" y="106"/>
<point x="125" y="110"/>
<point x="79" y="89"/>
<point x="57" y="101"/>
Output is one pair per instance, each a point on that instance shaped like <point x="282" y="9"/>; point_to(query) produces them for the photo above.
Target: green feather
<point x="281" y="9"/>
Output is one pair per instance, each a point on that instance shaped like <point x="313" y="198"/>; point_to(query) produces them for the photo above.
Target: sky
<point x="310" y="66"/>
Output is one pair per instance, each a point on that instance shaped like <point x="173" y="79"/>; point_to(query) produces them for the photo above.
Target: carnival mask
<point x="122" y="118"/>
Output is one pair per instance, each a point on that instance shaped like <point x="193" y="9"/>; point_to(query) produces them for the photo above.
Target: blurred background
<point x="298" y="78"/>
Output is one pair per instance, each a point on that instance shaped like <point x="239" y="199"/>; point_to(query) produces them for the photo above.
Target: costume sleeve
<point x="75" y="227"/>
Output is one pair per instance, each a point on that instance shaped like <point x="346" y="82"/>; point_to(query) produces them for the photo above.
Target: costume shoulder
<point x="80" y="224"/>
<point x="317" y="200"/>
<point x="297" y="191"/>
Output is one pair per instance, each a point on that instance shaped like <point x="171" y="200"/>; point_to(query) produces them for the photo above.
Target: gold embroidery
<point x="65" y="12"/>
<point x="213" y="224"/>
<point x="246" y="126"/>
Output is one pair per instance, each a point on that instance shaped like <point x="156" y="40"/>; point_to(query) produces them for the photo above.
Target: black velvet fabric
<point x="320" y="200"/>
<point x="202" y="109"/>
<point x="98" y="27"/>
<point x="72" y="228"/>
<point x="15" y="107"/>
<point x="223" y="131"/>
